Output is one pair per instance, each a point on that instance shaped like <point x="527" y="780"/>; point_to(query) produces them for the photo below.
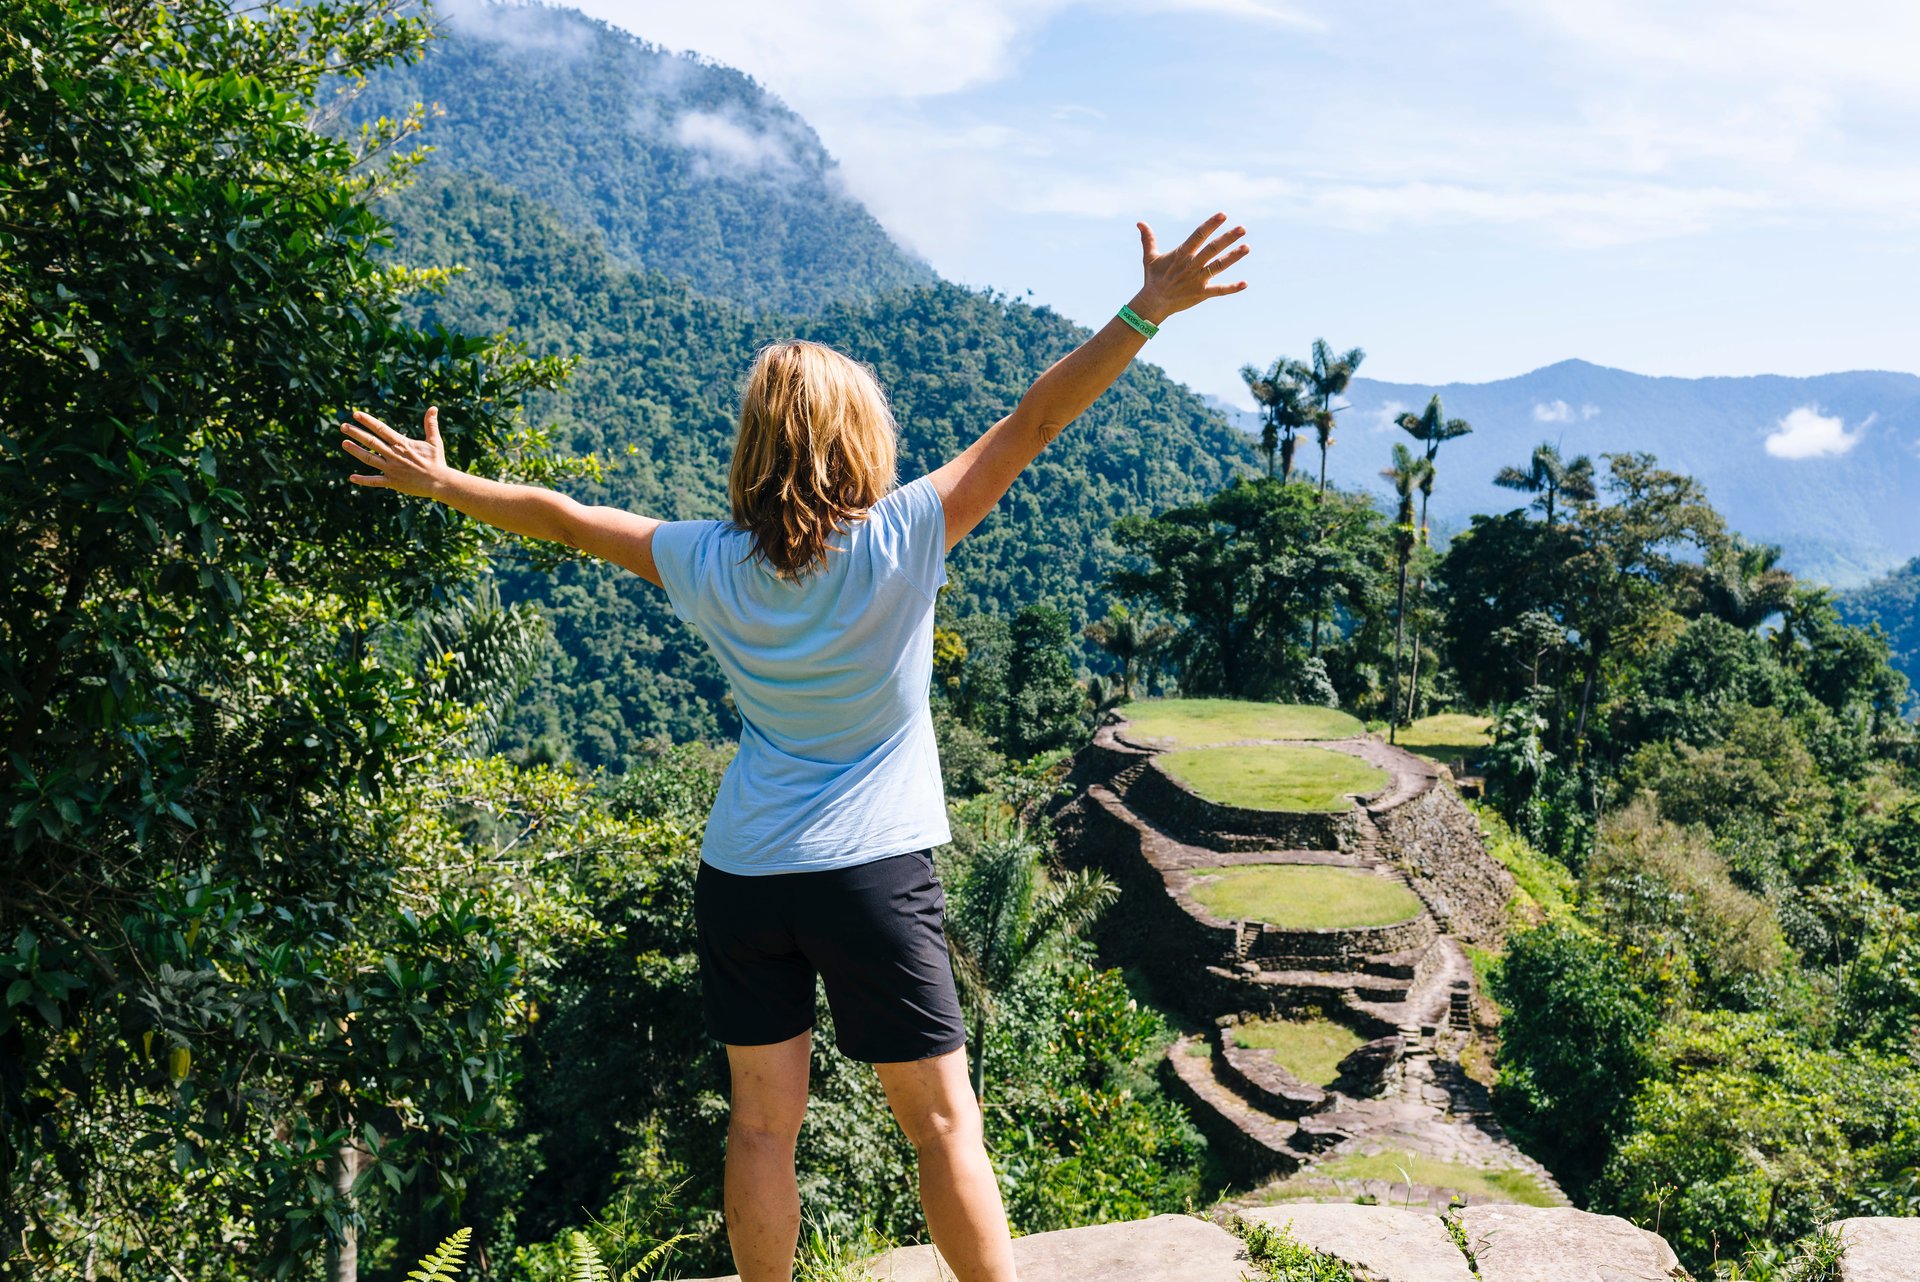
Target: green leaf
<point x="443" y="1263"/>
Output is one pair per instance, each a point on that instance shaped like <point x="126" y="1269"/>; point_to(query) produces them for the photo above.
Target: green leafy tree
<point x="1432" y="429"/>
<point x="1496" y="572"/>
<point x="1244" y="570"/>
<point x="1634" y="551"/>
<point x="1324" y="377"/>
<point x="1405" y="474"/>
<point x="1131" y="643"/>
<point x="246" y="968"/>
<point x="1552" y="478"/>
<point x="1284" y="410"/>
<point x="1046" y="708"/>
<point x="1573" y="1045"/>
<point x="1742" y="582"/>
<point x="1747" y="1136"/>
<point x="1005" y="912"/>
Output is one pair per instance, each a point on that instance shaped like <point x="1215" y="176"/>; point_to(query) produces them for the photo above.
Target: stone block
<point x="1880" y="1248"/>
<point x="1166" y="1248"/>
<point x="1560" y="1244"/>
<point x="1366" y="1068"/>
<point x="1379" y="1243"/>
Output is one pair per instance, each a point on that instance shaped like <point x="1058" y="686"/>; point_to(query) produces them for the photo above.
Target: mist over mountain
<point x="1824" y="466"/>
<point x="682" y="165"/>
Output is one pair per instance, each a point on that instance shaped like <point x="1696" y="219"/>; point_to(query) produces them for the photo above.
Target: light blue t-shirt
<point x="837" y="762"/>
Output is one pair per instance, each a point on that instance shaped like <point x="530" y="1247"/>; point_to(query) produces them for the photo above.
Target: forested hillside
<point x="654" y="392"/>
<point x="685" y="166"/>
<point x="1893" y="602"/>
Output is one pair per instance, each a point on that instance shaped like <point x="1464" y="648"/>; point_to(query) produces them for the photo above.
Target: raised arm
<point x="420" y="467"/>
<point x="975" y="479"/>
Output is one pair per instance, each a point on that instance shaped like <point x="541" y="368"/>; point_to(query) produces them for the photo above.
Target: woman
<point x="817" y="600"/>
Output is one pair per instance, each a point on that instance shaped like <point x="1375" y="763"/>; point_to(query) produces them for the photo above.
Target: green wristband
<point x="1138" y="321"/>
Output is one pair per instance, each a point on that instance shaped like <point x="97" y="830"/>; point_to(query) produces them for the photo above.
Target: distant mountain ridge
<point x="1843" y="516"/>
<point x="682" y="165"/>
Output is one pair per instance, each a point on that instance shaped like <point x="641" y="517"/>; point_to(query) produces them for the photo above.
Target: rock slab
<point x="1880" y="1248"/>
<point x="1166" y="1248"/>
<point x="1380" y="1243"/>
<point x="1560" y="1244"/>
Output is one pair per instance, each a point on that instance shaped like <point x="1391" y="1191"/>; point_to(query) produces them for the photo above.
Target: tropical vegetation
<point x="345" y="922"/>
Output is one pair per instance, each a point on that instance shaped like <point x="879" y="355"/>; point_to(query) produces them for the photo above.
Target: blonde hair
<point x="816" y="449"/>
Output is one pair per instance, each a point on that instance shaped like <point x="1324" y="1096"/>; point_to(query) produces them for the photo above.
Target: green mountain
<point x="681" y="165"/>
<point x="659" y="371"/>
<point x="1893" y="602"/>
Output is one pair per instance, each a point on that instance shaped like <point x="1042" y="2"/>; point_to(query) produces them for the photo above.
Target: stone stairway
<point x="1406" y="986"/>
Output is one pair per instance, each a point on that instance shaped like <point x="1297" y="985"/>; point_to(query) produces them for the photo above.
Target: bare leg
<point x="762" y="1197"/>
<point x="934" y="1104"/>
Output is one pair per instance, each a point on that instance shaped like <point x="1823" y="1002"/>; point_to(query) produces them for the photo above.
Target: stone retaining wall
<point x="1253" y="1074"/>
<point x="1217" y="991"/>
<point x="1238" y="1150"/>
<point x="1436" y="842"/>
<point x="1341" y="949"/>
<point x="1197" y="821"/>
<point x="1146" y="925"/>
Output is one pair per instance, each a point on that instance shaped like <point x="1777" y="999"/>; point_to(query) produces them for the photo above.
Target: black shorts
<point x="874" y="933"/>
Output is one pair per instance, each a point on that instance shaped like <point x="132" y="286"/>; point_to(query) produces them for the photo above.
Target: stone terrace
<point x="1407" y="986"/>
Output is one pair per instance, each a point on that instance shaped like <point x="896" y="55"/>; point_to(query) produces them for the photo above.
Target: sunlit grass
<point x="1274" y="777"/>
<point x="1445" y="737"/>
<point x="1310" y="1049"/>
<point x="1473" y="1183"/>
<point x="1199" y="722"/>
<point x="1304" y="896"/>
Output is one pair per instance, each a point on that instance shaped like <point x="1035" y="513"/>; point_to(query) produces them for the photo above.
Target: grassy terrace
<point x="1304" y="896"/>
<point x="1310" y="1049"/>
<point x="1475" y="1184"/>
<point x="1274" y="777"/>
<point x="1195" y="723"/>
<point x="1445" y="737"/>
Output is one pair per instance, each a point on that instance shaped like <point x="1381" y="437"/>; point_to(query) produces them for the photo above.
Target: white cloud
<point x="1586" y="124"/>
<point x="1387" y="417"/>
<point x="1561" y="412"/>
<point x="734" y="144"/>
<point x="1807" y="433"/>
<point x="522" y="26"/>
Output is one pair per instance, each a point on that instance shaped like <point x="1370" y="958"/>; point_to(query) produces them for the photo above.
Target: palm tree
<point x="1283" y="410"/>
<point x="1432" y="428"/>
<point x="1743" y="583"/>
<point x="1121" y="636"/>
<point x="1551" y="477"/>
<point x="1326" y="378"/>
<point x="1408" y="470"/>
<point x="1004" y="914"/>
<point x="1323" y="379"/>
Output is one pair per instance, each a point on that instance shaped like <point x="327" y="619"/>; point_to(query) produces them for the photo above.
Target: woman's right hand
<point x="1184" y="276"/>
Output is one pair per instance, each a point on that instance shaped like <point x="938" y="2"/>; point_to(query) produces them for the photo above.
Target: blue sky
<point x="1468" y="190"/>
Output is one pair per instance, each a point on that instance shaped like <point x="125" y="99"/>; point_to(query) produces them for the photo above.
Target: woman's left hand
<point x="405" y="464"/>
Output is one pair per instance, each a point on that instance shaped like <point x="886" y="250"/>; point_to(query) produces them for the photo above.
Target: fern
<point x="653" y="1259"/>
<point x="583" y="1261"/>
<point x="444" y="1261"/>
